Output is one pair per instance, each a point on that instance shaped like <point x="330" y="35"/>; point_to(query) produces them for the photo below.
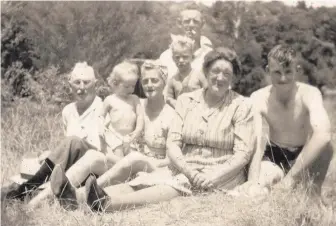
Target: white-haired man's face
<point x="82" y="82"/>
<point x="191" y="21"/>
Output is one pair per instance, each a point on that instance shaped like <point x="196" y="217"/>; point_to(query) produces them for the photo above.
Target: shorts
<point x="282" y="156"/>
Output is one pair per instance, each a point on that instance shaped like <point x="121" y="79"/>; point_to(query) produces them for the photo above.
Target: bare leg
<point x="91" y="162"/>
<point x="318" y="170"/>
<point x="125" y="168"/>
<point x="149" y="195"/>
<point x="109" y="201"/>
<point x="119" y="151"/>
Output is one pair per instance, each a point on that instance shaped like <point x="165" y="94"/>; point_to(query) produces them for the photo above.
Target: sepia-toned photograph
<point x="198" y="112"/>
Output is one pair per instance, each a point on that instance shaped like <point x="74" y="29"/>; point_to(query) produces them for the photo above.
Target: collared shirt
<point x="86" y="125"/>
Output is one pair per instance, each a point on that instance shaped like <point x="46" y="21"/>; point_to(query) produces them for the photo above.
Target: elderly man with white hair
<point x="82" y="143"/>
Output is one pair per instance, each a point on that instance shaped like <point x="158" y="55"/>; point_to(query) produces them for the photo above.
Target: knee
<point x="95" y="157"/>
<point x="75" y="143"/>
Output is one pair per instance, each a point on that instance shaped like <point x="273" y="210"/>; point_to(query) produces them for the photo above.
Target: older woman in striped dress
<point x="210" y="142"/>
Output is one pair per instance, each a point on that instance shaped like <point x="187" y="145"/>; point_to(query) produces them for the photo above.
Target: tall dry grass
<point x="29" y="129"/>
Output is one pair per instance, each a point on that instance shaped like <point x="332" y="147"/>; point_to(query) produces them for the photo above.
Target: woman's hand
<point x="201" y="180"/>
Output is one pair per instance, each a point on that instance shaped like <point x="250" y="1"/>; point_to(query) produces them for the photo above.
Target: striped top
<point x="223" y="130"/>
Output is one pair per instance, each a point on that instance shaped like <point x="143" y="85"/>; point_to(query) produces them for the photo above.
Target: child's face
<point x="126" y="85"/>
<point x="182" y="57"/>
<point x="282" y="74"/>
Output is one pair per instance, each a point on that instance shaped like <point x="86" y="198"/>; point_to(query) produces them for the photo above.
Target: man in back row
<point x="299" y="127"/>
<point x="190" y="22"/>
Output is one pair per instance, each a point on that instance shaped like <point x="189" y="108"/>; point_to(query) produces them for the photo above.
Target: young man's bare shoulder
<point x="307" y="90"/>
<point x="261" y="94"/>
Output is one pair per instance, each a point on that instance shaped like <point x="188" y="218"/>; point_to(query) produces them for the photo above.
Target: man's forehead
<point x="191" y="14"/>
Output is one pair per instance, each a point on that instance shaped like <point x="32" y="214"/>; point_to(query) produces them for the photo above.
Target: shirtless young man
<point x="186" y="78"/>
<point x="299" y="127"/>
<point x="126" y="117"/>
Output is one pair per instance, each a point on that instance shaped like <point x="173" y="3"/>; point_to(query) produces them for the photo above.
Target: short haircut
<point x="120" y="70"/>
<point x="182" y="41"/>
<point x="222" y="53"/>
<point x="283" y="53"/>
<point x="191" y="6"/>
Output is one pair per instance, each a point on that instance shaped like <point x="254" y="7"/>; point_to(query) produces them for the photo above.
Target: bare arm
<point x="243" y="143"/>
<point x="321" y="133"/>
<point x="139" y="121"/>
<point x="170" y="94"/>
<point x="103" y="112"/>
<point x="254" y="170"/>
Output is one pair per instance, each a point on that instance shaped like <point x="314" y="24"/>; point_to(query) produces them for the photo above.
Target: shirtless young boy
<point x="186" y="79"/>
<point x="124" y="109"/>
<point x="299" y="127"/>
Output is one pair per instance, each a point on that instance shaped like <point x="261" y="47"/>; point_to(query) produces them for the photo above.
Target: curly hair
<point x="222" y="53"/>
<point x="284" y="54"/>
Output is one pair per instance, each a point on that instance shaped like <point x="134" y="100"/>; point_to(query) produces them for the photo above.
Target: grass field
<point x="30" y="129"/>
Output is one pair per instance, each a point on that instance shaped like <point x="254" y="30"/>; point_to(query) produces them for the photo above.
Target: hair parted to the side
<point x="157" y="65"/>
<point x="283" y="53"/>
<point x="181" y="41"/>
<point x="120" y="70"/>
<point x="222" y="53"/>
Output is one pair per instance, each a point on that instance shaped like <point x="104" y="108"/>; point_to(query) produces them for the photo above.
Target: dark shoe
<point x="40" y="177"/>
<point x="62" y="189"/>
<point x="96" y="196"/>
<point x="10" y="192"/>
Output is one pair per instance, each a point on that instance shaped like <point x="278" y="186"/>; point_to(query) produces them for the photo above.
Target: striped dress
<point x="224" y="131"/>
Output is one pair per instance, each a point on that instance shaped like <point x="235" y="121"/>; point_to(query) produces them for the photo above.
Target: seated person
<point x="299" y="127"/>
<point x="214" y="125"/>
<point x="82" y="126"/>
<point x="186" y="79"/>
<point x="124" y="110"/>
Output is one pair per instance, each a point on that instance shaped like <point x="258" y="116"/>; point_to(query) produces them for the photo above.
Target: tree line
<point x="41" y="41"/>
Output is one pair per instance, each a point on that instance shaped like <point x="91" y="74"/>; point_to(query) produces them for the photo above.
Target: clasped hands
<point x="200" y="180"/>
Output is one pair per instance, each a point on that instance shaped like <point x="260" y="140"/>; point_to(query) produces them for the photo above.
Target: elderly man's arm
<point x="243" y="144"/>
<point x="321" y="135"/>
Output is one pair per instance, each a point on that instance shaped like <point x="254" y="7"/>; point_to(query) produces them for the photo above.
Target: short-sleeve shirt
<point x="85" y="126"/>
